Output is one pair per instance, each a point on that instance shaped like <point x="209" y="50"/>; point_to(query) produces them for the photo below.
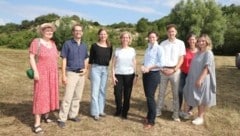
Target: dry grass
<point x="16" y="102"/>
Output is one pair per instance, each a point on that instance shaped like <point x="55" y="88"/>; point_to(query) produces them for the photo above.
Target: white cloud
<point x="120" y="4"/>
<point x="30" y="12"/>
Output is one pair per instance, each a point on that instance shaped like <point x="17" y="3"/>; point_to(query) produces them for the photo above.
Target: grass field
<point x="16" y="118"/>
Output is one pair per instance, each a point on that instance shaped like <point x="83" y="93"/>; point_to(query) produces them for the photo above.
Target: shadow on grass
<point x="21" y="111"/>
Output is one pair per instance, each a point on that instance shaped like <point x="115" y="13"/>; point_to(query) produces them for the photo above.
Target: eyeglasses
<point x="77" y="30"/>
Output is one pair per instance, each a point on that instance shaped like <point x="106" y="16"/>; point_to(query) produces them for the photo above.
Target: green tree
<point x="63" y="31"/>
<point x="142" y="25"/>
<point x="26" y="24"/>
<point x="9" y="28"/>
<point x="46" y="18"/>
<point x="199" y="16"/>
<point x="141" y="41"/>
<point x="232" y="35"/>
<point x="21" y="39"/>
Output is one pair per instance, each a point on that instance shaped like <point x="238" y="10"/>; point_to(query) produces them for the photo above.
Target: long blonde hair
<point x="208" y="41"/>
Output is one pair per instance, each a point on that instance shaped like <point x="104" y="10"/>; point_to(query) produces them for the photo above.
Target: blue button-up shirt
<point x="154" y="56"/>
<point x="75" y="54"/>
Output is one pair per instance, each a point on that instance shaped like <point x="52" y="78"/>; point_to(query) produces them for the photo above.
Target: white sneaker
<point x="198" y="121"/>
<point x="158" y="114"/>
<point x="176" y="119"/>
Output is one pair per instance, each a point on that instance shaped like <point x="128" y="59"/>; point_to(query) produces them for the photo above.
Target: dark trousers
<point x="150" y="83"/>
<point x="182" y="83"/>
<point x="123" y="88"/>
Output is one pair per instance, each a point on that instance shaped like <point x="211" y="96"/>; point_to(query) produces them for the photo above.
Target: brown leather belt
<point x="169" y="67"/>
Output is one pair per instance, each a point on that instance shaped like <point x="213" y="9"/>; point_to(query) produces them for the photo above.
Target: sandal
<point x="46" y="119"/>
<point x="38" y="129"/>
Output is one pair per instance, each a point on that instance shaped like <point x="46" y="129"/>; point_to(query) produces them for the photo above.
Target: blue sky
<point x="102" y="11"/>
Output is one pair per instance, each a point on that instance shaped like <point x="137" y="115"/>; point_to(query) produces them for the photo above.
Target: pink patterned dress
<point x="45" y="97"/>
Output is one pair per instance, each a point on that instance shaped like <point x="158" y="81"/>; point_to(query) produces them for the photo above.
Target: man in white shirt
<point x="174" y="50"/>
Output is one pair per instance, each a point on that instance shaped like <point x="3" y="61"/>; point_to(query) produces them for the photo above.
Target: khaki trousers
<point x="174" y="80"/>
<point x="73" y="95"/>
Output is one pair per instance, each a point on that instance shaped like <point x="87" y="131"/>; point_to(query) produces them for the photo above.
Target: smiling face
<point x="152" y="38"/>
<point x="202" y="43"/>
<point x="47" y="33"/>
<point x="103" y="36"/>
<point x="171" y="32"/>
<point x="192" y="41"/>
<point x="125" y="38"/>
<point x="77" y="32"/>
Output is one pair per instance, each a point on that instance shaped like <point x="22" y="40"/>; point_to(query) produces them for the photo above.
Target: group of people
<point x="191" y="72"/>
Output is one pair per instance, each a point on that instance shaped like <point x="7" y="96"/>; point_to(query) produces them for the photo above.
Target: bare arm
<point x="85" y="69"/>
<point x="64" y="65"/>
<point x="202" y="77"/>
<point x="135" y="69"/>
<point x="114" y="79"/>
<point x="34" y="66"/>
<point x="179" y="64"/>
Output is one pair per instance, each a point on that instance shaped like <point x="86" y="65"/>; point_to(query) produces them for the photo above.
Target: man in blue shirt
<point x="74" y="67"/>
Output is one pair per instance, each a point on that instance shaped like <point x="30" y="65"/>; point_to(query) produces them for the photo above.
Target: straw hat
<point x="46" y="25"/>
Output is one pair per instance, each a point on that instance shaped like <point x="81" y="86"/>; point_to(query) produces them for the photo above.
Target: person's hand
<point x="114" y="79"/>
<point x="144" y="69"/>
<point x="168" y="71"/>
<point x="89" y="76"/>
<point x="135" y="79"/>
<point x="198" y="83"/>
<point x="36" y="75"/>
<point x="64" y="80"/>
<point x="83" y="71"/>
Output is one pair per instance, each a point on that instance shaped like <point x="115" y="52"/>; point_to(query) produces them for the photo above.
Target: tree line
<point x="191" y="16"/>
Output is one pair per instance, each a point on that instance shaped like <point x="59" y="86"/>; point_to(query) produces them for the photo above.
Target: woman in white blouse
<point x="123" y="74"/>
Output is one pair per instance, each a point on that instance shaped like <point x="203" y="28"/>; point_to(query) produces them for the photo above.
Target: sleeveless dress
<point x="46" y="95"/>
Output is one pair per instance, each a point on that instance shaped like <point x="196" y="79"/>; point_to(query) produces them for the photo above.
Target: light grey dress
<point x="206" y="94"/>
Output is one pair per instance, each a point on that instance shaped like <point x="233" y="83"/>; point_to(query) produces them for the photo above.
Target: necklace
<point x="47" y="44"/>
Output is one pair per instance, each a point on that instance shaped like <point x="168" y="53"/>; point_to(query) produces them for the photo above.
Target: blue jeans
<point x="182" y="83"/>
<point x="98" y="77"/>
<point x="150" y="83"/>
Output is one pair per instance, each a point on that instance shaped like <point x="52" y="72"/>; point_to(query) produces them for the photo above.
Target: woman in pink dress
<point x="43" y="59"/>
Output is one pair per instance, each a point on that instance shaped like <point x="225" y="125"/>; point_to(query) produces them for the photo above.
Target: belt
<point x="76" y="71"/>
<point x="169" y="67"/>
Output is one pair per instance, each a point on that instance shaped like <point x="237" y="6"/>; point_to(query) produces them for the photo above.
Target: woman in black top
<point x="100" y="55"/>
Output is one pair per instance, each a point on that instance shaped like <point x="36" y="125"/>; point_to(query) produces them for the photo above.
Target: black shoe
<point x="61" y="124"/>
<point x="75" y="119"/>
<point x="117" y="114"/>
<point x="124" y="116"/>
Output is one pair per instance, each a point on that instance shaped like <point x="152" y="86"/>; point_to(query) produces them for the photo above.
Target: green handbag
<point x="29" y="71"/>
